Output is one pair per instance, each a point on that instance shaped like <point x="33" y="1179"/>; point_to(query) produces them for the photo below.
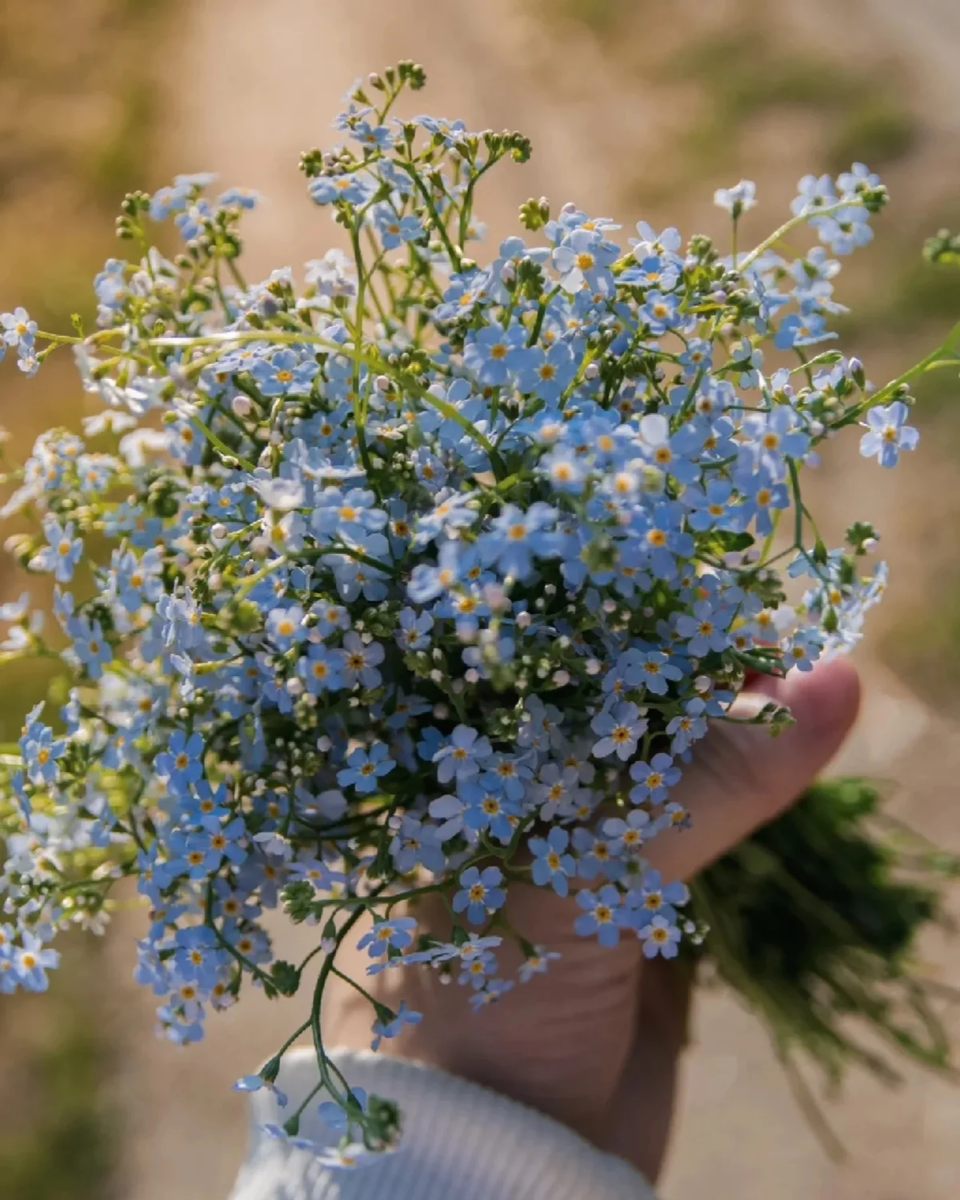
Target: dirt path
<point x="256" y="84"/>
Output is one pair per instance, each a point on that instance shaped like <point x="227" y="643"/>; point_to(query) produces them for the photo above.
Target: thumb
<point x="741" y="777"/>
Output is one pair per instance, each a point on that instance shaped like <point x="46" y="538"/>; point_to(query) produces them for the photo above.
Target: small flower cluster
<point x="423" y="576"/>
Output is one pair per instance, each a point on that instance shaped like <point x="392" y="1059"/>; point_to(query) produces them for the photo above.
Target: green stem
<point x="793" y="223"/>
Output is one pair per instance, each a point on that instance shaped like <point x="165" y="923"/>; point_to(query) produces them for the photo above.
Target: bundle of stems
<point x="815" y="921"/>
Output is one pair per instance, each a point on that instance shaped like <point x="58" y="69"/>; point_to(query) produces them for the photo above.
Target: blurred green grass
<point x="75" y="134"/>
<point x="747" y="73"/>
<point x="59" y="1134"/>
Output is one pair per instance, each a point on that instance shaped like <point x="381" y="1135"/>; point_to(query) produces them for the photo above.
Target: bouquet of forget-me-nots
<point x="423" y="574"/>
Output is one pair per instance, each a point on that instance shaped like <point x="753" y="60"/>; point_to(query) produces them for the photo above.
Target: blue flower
<point x="449" y="132"/>
<point x="393" y="230"/>
<point x="660" y="936"/>
<point x="351" y="515"/>
<point x="414" y="631"/>
<point x="346" y="188"/>
<point x="665" y="539"/>
<point x="583" y="259"/>
<point x="687" y="728"/>
<point x="655" y="898"/>
<point x="240" y="197"/>
<point x="284" y="373"/>
<point x="136" y="580"/>
<point x="515" y="536"/>
<point x="428" y="581"/>
<point x="777" y="436"/>
<point x="654" y="671"/>
<point x="603" y="915"/>
<point x="493" y="352"/>
<point x="339" y="1119"/>
<point x="416" y="844"/>
<point x="90" y="646"/>
<point x="480" y="893"/>
<point x="760" y="494"/>
<point x="801" y="329"/>
<point x="330" y="617"/>
<point x="710" y="505"/>
<point x="705" y="628"/>
<point x="666" y="244"/>
<point x="453" y="510"/>
<point x="595" y="856"/>
<point x="738" y="199"/>
<point x="846" y="229"/>
<point x="619" y="727"/>
<point x="655" y="272"/>
<point x="321" y="669"/>
<point x="857" y="180"/>
<point x="405" y="709"/>
<point x="814" y="192"/>
<point x="182" y="629"/>
<point x="222" y="843"/>
<point x="660" y="311"/>
<point x="198" y="956"/>
<point x="493" y="991"/>
<point x="565" y="468"/>
<point x="18" y="330"/>
<point x="508" y="774"/>
<point x="390" y="1028"/>
<point x="476" y="967"/>
<point x="365" y="768"/>
<point x="397" y="933"/>
<point x="373" y="137"/>
<point x="360" y="661"/>
<point x="551" y="863"/>
<point x="654" y="779"/>
<point x="31" y="961"/>
<point x="40" y="754"/>
<point x="62" y="553"/>
<point x="256" y="1083"/>
<point x="182" y="761"/>
<point x="355" y="576"/>
<point x="461" y="756"/>
<point x="536" y="963"/>
<point x="803" y="649"/>
<point x="627" y="835"/>
<point x="546" y="373"/>
<point x="284" y="626"/>
<point x="887" y="434"/>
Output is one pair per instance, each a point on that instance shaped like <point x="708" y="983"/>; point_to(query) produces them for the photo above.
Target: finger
<point x="557" y="1042"/>
<point x="638" y="1125"/>
<point x="741" y="777"/>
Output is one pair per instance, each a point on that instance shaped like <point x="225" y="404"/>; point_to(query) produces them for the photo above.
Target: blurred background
<point x="636" y="109"/>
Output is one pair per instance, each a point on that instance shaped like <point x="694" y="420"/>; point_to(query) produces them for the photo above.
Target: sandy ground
<point x="251" y="86"/>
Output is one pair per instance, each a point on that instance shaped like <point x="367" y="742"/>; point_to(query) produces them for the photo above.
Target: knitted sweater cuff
<point x="460" y="1141"/>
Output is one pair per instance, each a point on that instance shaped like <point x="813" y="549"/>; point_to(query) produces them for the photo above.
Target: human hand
<point x="594" y="1041"/>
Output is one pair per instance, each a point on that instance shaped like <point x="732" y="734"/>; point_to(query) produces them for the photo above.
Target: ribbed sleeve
<point x="460" y="1142"/>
